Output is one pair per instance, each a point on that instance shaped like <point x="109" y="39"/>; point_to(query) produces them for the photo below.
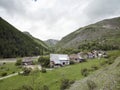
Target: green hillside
<point x="107" y="78"/>
<point x="14" y="43"/>
<point x="40" y="42"/>
<point x="101" y="35"/>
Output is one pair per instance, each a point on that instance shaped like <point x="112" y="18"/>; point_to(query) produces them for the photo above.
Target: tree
<point x="44" y="61"/>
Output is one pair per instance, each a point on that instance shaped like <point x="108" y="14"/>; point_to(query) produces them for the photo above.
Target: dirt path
<point x="11" y="75"/>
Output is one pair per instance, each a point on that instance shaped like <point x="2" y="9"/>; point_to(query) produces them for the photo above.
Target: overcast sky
<point x="53" y="19"/>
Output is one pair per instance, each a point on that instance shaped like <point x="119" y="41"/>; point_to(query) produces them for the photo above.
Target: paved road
<point x="14" y="59"/>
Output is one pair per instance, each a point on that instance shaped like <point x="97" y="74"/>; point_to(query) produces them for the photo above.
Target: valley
<point x="76" y="62"/>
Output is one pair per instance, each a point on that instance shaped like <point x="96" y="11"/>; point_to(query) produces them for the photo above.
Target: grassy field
<point x="51" y="78"/>
<point x="106" y="78"/>
<point x="8" y="68"/>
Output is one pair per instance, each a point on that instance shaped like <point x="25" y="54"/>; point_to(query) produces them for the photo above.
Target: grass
<point x="106" y="78"/>
<point x="9" y="68"/>
<point x="51" y="78"/>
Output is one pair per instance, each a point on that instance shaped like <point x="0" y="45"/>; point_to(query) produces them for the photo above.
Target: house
<point x="80" y="57"/>
<point x="74" y="57"/>
<point x="59" y="60"/>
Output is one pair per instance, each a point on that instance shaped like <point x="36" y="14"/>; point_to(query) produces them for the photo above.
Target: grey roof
<point x="59" y="57"/>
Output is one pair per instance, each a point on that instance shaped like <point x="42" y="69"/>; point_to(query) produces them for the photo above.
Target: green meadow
<point x="51" y="78"/>
<point x="8" y="68"/>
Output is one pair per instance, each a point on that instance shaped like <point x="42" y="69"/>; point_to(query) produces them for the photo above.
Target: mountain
<point x="13" y="43"/>
<point x="40" y="42"/>
<point x="101" y="35"/>
<point x="51" y="42"/>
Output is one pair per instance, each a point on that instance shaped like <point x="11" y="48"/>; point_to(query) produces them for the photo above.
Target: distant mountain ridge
<point x="51" y="42"/>
<point x="13" y="43"/>
<point x="106" y="32"/>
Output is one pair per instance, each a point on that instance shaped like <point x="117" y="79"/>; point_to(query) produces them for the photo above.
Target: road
<point x="15" y="59"/>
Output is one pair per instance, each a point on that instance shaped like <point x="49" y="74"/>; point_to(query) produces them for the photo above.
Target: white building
<point x="59" y="60"/>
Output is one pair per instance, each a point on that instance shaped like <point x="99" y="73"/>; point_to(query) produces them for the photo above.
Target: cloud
<point x="46" y="19"/>
<point x="99" y="9"/>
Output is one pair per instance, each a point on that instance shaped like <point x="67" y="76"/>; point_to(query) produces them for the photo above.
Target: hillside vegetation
<point x="14" y="43"/>
<point x="101" y="35"/>
<point x="107" y="78"/>
<point x="40" y="42"/>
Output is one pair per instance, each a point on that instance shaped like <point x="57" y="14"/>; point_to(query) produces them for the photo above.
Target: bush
<point x="85" y="72"/>
<point x="72" y="62"/>
<point x="44" y="61"/>
<point x="94" y="67"/>
<point x="45" y="87"/>
<point x="65" y="83"/>
<point x="26" y="71"/>
<point x="91" y="85"/>
<point x="13" y="72"/>
<point x="43" y="70"/>
<point x="18" y="62"/>
<point x="4" y="63"/>
<point x="3" y="74"/>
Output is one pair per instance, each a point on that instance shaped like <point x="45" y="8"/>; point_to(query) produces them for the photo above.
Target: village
<point x="54" y="64"/>
<point x="52" y="61"/>
<point x="60" y="60"/>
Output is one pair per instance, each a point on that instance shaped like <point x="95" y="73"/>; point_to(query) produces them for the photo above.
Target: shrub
<point x="3" y="74"/>
<point x="91" y="85"/>
<point x="65" y="83"/>
<point x="4" y="63"/>
<point x="94" y="67"/>
<point x="44" y="61"/>
<point x="26" y="71"/>
<point x="84" y="60"/>
<point x="43" y="70"/>
<point x="13" y="72"/>
<point x="84" y="72"/>
<point x="2" y="67"/>
<point x="45" y="87"/>
<point x="18" y="62"/>
<point x="111" y="61"/>
<point x="72" y="62"/>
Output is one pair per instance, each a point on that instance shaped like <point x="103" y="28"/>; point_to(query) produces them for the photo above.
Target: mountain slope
<point x="14" y="43"/>
<point x="40" y="42"/>
<point x="106" y="78"/>
<point x="103" y="32"/>
<point x="51" y="42"/>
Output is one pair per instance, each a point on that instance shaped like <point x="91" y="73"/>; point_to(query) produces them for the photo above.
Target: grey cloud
<point x="63" y="16"/>
<point x="12" y="6"/>
<point x="102" y="9"/>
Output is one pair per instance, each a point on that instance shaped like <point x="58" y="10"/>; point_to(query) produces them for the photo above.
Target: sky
<point x="54" y="19"/>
